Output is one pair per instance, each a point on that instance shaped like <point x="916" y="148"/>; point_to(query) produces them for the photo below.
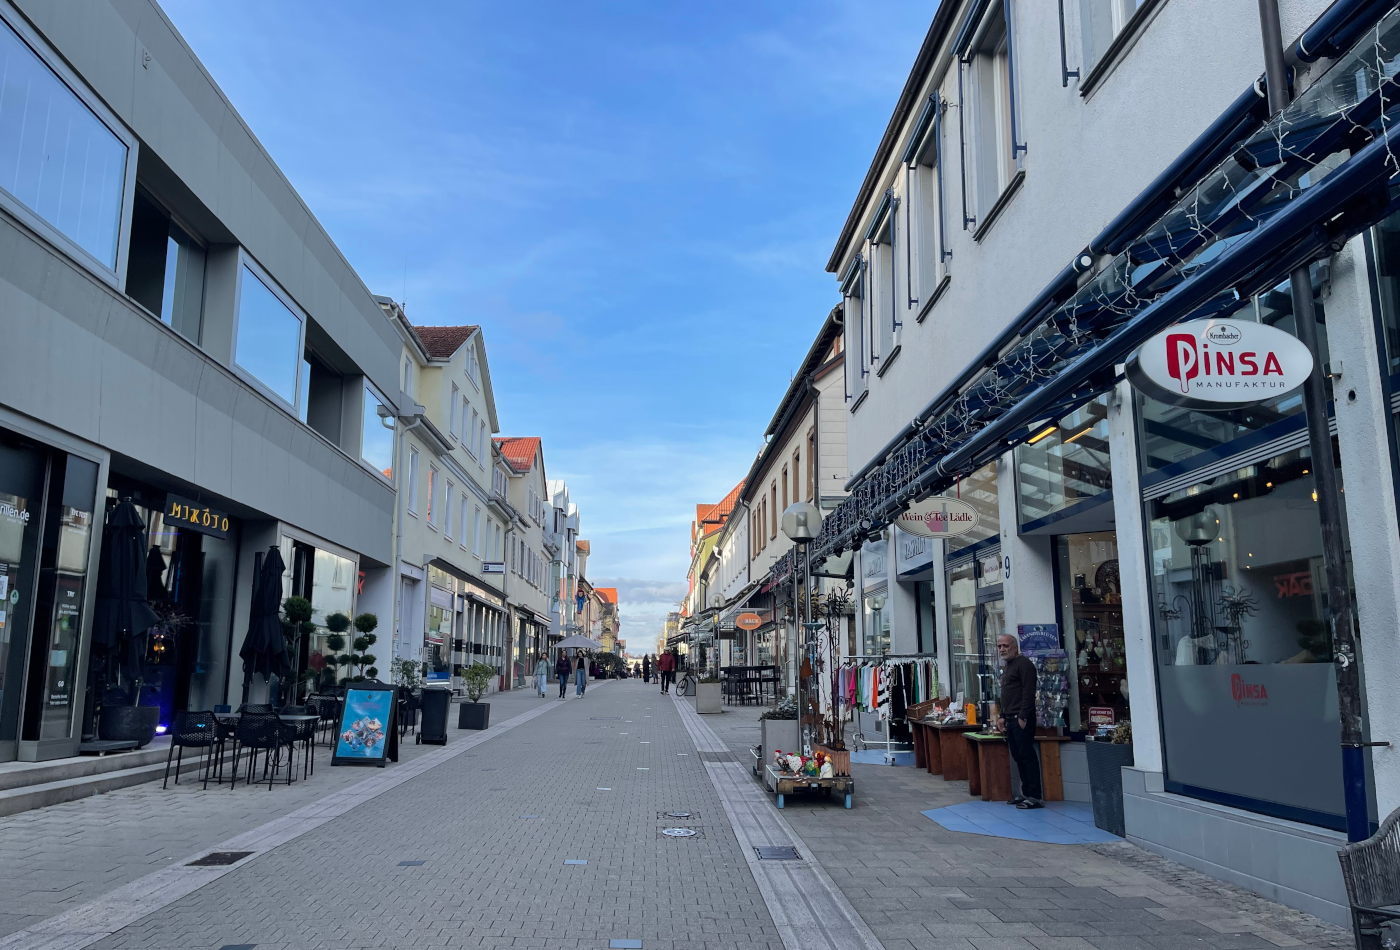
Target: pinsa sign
<point x="938" y="517"/>
<point x="1219" y="364"/>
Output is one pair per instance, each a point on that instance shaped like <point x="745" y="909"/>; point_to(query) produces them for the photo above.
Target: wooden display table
<point x="945" y="750"/>
<point x="989" y="767"/>
<point x="785" y="783"/>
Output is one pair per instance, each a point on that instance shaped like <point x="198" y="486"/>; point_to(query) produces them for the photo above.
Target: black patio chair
<point x="263" y="708"/>
<point x="196" y="730"/>
<point x="1371" y="872"/>
<point x="328" y="708"/>
<point x="408" y="704"/>
<point x="305" y="734"/>
<point x="266" y="733"/>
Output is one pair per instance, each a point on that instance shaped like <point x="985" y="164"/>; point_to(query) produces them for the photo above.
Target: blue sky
<point x="636" y="200"/>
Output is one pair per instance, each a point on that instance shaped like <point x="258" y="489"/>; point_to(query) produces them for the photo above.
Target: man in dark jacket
<point x="1018" y="718"/>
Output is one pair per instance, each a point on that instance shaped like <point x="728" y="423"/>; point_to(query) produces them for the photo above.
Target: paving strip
<point x="96" y="919"/>
<point x="807" y="907"/>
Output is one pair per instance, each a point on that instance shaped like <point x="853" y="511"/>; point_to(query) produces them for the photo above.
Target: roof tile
<point x="519" y="451"/>
<point x="441" y="342"/>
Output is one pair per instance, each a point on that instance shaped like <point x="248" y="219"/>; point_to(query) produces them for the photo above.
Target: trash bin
<point x="433" y="727"/>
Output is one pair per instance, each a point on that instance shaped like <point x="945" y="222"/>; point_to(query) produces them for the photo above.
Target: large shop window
<point x="1244" y="658"/>
<point x="270" y="335"/>
<point x="976" y="617"/>
<point x="1171" y="435"/>
<point x="57" y="158"/>
<point x="1065" y="463"/>
<point x="1091" y="605"/>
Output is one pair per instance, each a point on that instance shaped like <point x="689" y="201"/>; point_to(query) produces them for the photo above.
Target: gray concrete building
<point x="180" y="331"/>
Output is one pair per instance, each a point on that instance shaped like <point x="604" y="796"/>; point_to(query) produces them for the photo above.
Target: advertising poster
<point x="366" y="735"/>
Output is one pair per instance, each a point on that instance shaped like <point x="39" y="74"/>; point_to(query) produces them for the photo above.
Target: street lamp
<point x="802" y="522"/>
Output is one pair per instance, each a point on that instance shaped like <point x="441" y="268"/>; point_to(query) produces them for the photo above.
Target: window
<point x="467" y="430"/>
<point x="785" y="489"/>
<point x="462" y="513"/>
<point x="882" y="313"/>
<point x="483" y="444"/>
<point x="447" y="511"/>
<point x="57" y="158"/>
<point x="165" y="268"/>
<point x="773" y="519"/>
<point x="989" y="104"/>
<point x="452" y="407"/>
<point x="412" y="479"/>
<point x="498" y="549"/>
<point x="857" y="362"/>
<point x="1099" y="22"/>
<point x="476" y="532"/>
<point x="473" y="368"/>
<point x="432" y="496"/>
<point x="269" y="338"/>
<point x="925" y="246"/>
<point x="812" y="465"/>
<point x="406" y="376"/>
<point x="377" y="436"/>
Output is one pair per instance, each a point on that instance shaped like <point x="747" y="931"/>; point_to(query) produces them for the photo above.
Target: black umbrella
<point x="123" y="616"/>
<point x="265" y="649"/>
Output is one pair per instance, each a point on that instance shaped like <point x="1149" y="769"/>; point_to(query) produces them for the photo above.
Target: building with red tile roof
<point x="440" y="343"/>
<point x="519" y="451"/>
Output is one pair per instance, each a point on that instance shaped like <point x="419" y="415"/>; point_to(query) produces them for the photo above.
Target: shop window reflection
<point x="980" y="491"/>
<point x="1091" y="601"/>
<point x="1243" y="652"/>
<point x="1065" y="463"/>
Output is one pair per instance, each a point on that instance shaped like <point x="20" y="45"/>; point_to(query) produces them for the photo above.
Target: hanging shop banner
<point x="938" y="517"/>
<point x="183" y="513"/>
<point x="367" y="734"/>
<point x="748" y="621"/>
<point x="1219" y="364"/>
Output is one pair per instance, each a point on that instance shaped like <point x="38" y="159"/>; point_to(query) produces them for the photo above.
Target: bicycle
<point x="685" y="683"/>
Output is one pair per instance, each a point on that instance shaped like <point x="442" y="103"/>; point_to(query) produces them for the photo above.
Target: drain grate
<point x="412" y="864"/>
<point x="676" y="814"/>
<point x="679" y="832"/>
<point x="772" y="852"/>
<point x="218" y="859"/>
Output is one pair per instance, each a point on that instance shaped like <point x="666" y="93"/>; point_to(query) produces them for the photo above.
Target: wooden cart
<point x="785" y="783"/>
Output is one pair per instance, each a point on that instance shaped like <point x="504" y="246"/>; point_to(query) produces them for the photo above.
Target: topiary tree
<point x="359" y="660"/>
<point x="296" y="624"/>
<point x="337" y="623"/>
<point x="476" y="679"/>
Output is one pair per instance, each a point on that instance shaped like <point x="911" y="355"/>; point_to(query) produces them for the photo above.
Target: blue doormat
<point x="877" y="757"/>
<point x="1056" y="823"/>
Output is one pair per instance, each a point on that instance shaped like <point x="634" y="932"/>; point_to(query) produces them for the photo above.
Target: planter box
<point x="707" y="698"/>
<point x="473" y="715"/>
<point x="1106" y="762"/>
<point x="778" y="734"/>
<point x="840" y="759"/>
<point x="129" y="724"/>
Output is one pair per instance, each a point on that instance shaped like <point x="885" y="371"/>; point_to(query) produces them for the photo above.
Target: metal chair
<point x="1371" y="872"/>
<point x="263" y="708"/>
<point x="262" y="731"/>
<point x="306" y="735"/>
<point x="199" y="730"/>
<point x="328" y="708"/>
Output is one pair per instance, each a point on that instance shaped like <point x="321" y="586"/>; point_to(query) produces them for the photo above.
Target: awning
<point x="1290" y="193"/>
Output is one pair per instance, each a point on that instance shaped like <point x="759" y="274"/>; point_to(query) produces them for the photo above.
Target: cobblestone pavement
<point x="597" y="773"/>
<point x="921" y="886"/>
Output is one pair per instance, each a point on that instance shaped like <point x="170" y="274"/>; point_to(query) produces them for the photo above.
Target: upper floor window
<point x="377" y="435"/>
<point x="406" y="376"/>
<point x="473" y="367"/>
<point x="165" y="267"/>
<point x="432" y="495"/>
<point x="785" y="489"/>
<point x="467" y="428"/>
<point x="447" y="511"/>
<point x="462" y="508"/>
<point x="476" y="532"/>
<point x="412" y="480"/>
<point x="857" y="348"/>
<point x="473" y="446"/>
<point x="58" y="160"/>
<point x="773" y="512"/>
<point x="268" y="343"/>
<point x="812" y="465"/>
<point x="989" y="108"/>
<point x="1099" y="22"/>
<point x="452" y="408"/>
<point x="926" y="251"/>
<point x="483" y="443"/>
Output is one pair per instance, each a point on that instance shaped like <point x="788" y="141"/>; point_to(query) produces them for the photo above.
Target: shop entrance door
<point x="977" y="616"/>
<point x="1091" y="603"/>
<point x="991" y="623"/>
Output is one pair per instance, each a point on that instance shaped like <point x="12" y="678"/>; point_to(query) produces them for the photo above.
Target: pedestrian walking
<point x="581" y="676"/>
<point x="666" y="664"/>
<point x="1018" y="719"/>
<point x="646" y="668"/>
<point x="541" y="675"/>
<point x="562" y="668"/>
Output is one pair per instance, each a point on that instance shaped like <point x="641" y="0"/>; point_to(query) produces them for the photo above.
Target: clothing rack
<point x="884" y="657"/>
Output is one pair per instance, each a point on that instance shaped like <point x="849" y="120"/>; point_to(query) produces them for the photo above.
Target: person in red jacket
<point x="666" y="665"/>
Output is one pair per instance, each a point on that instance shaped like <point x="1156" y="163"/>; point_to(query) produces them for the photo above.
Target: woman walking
<point x="581" y="676"/>
<point x="541" y="675"/>
<point x="646" y="668"/>
<point x="562" y="666"/>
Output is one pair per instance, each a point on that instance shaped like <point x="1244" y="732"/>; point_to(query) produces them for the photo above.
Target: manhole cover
<point x="678" y="832"/>
<point x="777" y="853"/>
<point x="218" y="859"/>
<point x="678" y="814"/>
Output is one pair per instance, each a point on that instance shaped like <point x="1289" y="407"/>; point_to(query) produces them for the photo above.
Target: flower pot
<point x="473" y="715"/>
<point x="778" y="734"/>
<point x="840" y="759"/>
<point x="129" y="724"/>
<point x="1106" y="762"/>
<point x="707" y="698"/>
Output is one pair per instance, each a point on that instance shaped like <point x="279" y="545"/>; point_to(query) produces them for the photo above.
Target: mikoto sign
<point x="938" y="517"/>
<point x="1219" y="364"/>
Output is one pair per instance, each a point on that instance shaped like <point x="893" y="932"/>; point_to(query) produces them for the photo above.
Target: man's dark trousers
<point x="1021" y="742"/>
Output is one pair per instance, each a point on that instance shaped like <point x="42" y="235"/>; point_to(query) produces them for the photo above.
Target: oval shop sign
<point x="1219" y="364"/>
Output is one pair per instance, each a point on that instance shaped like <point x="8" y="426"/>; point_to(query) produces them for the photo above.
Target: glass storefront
<point x="874" y="586"/>
<point x="1243" y="653"/>
<point x="980" y="491"/>
<point x="1066" y="463"/>
<point x="1091" y="606"/>
<point x="976" y="617"/>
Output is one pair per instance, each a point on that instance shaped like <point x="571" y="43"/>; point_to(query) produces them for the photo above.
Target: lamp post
<point x="801" y="523"/>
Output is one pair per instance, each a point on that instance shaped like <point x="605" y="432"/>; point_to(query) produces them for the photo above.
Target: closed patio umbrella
<point x="122" y="614"/>
<point x="264" y="648"/>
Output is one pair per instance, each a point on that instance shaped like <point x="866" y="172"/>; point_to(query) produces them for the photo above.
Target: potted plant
<point x="1106" y="761"/>
<point x="707" y="696"/>
<point x="476" y="679"/>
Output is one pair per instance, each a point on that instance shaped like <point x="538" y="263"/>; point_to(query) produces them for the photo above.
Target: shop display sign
<point x="748" y="621"/>
<point x="494" y="567"/>
<point x="1219" y="364"/>
<point x="367" y="733"/>
<point x="1101" y="716"/>
<point x="183" y="513"/>
<point x="1038" y="639"/>
<point x="938" y="517"/>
